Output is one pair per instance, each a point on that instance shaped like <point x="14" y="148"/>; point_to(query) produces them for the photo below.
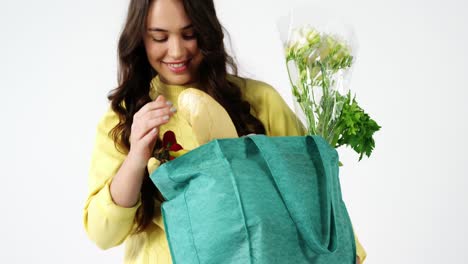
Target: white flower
<point x="302" y="39"/>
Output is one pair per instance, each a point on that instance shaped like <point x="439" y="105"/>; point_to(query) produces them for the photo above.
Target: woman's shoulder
<point x="254" y="90"/>
<point x="108" y="120"/>
<point x="269" y="107"/>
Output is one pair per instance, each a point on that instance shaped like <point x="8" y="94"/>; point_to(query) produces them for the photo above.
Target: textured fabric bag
<point x="256" y="200"/>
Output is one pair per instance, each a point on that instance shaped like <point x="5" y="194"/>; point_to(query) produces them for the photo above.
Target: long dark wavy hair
<point x="135" y="74"/>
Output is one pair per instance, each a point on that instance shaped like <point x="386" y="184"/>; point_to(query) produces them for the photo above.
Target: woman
<point x="165" y="47"/>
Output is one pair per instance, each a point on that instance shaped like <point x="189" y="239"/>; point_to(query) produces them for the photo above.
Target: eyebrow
<point x="165" y="30"/>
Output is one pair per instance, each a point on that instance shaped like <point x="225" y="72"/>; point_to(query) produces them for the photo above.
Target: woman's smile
<point x="177" y="67"/>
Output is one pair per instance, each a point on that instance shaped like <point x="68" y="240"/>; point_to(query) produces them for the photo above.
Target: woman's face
<point x="171" y="43"/>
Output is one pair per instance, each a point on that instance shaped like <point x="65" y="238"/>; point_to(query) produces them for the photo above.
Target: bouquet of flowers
<point x="319" y="64"/>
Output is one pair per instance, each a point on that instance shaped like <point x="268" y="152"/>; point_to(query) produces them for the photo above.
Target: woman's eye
<point x="164" y="39"/>
<point x="188" y="37"/>
<point x="159" y="39"/>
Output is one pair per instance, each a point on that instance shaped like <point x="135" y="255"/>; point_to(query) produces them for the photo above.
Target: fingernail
<point x="154" y="130"/>
<point x="166" y="117"/>
<point x="169" y="103"/>
<point x="173" y="109"/>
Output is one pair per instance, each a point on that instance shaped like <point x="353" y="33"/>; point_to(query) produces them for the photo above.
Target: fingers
<point x="150" y="138"/>
<point x="159" y="103"/>
<point x="147" y="125"/>
<point x="150" y="116"/>
<point x="160" y="112"/>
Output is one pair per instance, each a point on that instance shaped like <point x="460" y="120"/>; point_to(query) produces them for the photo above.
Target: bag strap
<point x="269" y="152"/>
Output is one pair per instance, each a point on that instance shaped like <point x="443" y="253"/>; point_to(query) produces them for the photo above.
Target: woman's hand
<point x="126" y="184"/>
<point x="145" y="128"/>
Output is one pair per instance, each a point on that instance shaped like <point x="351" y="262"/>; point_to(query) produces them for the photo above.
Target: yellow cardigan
<point x="109" y="225"/>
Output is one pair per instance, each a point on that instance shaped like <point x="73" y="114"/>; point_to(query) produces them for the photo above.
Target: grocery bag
<point x="256" y="200"/>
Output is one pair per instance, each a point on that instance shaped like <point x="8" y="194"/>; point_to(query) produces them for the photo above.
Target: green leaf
<point x="357" y="128"/>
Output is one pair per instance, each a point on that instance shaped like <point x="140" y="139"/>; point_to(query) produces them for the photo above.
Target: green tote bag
<point x="256" y="200"/>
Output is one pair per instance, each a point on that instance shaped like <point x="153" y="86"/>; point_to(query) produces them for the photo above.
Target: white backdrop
<point x="408" y="202"/>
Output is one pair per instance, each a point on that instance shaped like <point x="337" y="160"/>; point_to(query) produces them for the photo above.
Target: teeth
<point x="178" y="65"/>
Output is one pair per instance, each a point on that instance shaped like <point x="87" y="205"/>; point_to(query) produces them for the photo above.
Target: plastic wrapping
<point x="320" y="52"/>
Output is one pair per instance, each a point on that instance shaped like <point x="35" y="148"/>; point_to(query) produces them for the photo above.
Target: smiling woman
<point x="165" y="48"/>
<point x="171" y="43"/>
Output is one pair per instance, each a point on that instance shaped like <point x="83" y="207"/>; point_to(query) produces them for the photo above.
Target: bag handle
<point x="269" y="151"/>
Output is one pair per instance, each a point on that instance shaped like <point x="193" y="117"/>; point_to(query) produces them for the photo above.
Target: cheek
<point x="196" y="53"/>
<point x="154" y="51"/>
<point x="192" y="47"/>
<point x="155" y="54"/>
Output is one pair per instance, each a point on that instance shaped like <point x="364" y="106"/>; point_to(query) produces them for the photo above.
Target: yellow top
<point x="109" y="225"/>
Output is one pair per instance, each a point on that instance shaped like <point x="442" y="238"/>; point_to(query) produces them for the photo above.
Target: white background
<point x="408" y="202"/>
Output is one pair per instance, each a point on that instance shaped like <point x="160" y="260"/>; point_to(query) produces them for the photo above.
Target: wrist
<point x="136" y="160"/>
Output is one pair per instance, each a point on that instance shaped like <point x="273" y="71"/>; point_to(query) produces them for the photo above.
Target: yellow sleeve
<point x="281" y="119"/>
<point x="106" y="223"/>
<point x="269" y="107"/>
<point x="360" y="251"/>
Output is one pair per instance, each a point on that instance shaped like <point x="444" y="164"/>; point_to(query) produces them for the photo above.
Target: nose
<point x="176" y="48"/>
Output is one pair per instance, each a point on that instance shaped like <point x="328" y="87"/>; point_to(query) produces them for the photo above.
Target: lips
<point x="177" y="67"/>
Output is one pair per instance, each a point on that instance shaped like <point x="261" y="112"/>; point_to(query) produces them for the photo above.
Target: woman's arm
<point x="115" y="178"/>
<point x="106" y="223"/>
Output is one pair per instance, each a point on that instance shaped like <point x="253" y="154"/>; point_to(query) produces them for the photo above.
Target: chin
<point x="172" y="79"/>
<point x="178" y="80"/>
